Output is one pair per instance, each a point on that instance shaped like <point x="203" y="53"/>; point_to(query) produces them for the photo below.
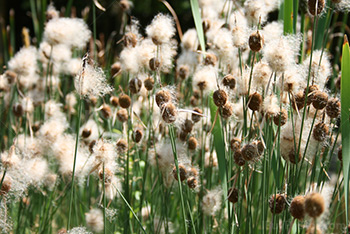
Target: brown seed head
<point x="17" y="110"/>
<point x="255" y="101"/>
<point x="114" y="101"/>
<point x="235" y="144"/>
<point x="226" y="110"/>
<point x="312" y="6"/>
<point x="10" y="76"/>
<point x="122" y="115"/>
<point x="124" y="101"/>
<point x="256" y="41"/>
<point x="182" y="171"/>
<point x="108" y="175"/>
<point x="124" y="5"/>
<point x="149" y="83"/>
<point x="281" y="118"/>
<point x="314" y="205"/>
<point x="220" y="97"/>
<point x="196" y="118"/>
<point x="239" y="160"/>
<point x="277" y="203"/>
<point x="229" y="81"/>
<point x="86" y="133"/>
<point x="183" y="135"/>
<point x="130" y="39"/>
<point x="137" y="135"/>
<point x="320" y="132"/>
<point x="169" y="112"/>
<point x="154" y="64"/>
<point x="333" y="108"/>
<point x="187" y="126"/>
<point x="319" y="100"/>
<point x="297" y="207"/>
<point x="106" y="111"/>
<point x="192" y="182"/>
<point x="292" y="156"/>
<point x="135" y="85"/>
<point x="232" y="195"/>
<point x="298" y="101"/>
<point x="6" y="186"/>
<point x="310" y="94"/>
<point x="250" y="152"/>
<point x="183" y="72"/>
<point x="192" y="143"/>
<point x="210" y="59"/>
<point x="91" y="146"/>
<point x="122" y="146"/>
<point x="162" y="97"/>
<point x="115" y="68"/>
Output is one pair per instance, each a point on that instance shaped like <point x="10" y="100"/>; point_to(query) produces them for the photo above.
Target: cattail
<point x="277" y="203"/>
<point x="114" y="101"/>
<point x="162" y="97"/>
<point x="319" y="100"/>
<point x="122" y="115"/>
<point x="154" y="64"/>
<point x="122" y="146"/>
<point x="250" y="152"/>
<point x="210" y="59"/>
<point x="256" y="41"/>
<point x="135" y="85"/>
<point x="182" y="172"/>
<point x="137" y="135"/>
<point x="232" y="195"/>
<point x="17" y="110"/>
<point x="320" y="132"/>
<point x="297" y="207"/>
<point x="106" y="111"/>
<point x="124" y="101"/>
<point x="169" y="112"/>
<point x="149" y="83"/>
<point x="187" y="126"/>
<point x="314" y="205"/>
<point x="192" y="143"/>
<point x="238" y="157"/>
<point x="235" y="144"/>
<point x="255" y="101"/>
<point x="226" y="110"/>
<point x="292" y="156"/>
<point x="196" y="118"/>
<point x="220" y="97"/>
<point x="298" y="101"/>
<point x="281" y="118"/>
<point x="333" y="108"/>
<point x="192" y="182"/>
<point x="229" y="81"/>
<point x="130" y="39"/>
<point x="312" y="6"/>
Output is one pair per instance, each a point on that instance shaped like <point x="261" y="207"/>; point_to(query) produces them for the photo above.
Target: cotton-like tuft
<point x="161" y="30"/>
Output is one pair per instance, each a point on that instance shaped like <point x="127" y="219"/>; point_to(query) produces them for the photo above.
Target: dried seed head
<point x="310" y="94"/>
<point x="194" y="101"/>
<point x="298" y="101"/>
<point x="193" y="172"/>
<point x="235" y="144"/>
<point x="187" y="126"/>
<point x="192" y="143"/>
<point x="314" y="205"/>
<point x="114" y="101"/>
<point x="106" y="111"/>
<point x="108" y="175"/>
<point x="210" y="59"/>
<point x="250" y="152"/>
<point x="182" y="172"/>
<point x="319" y="100"/>
<point x="183" y="135"/>
<point x="340" y="153"/>
<point x="6" y="186"/>
<point x="18" y="110"/>
<point x="137" y="135"/>
<point x="196" y="118"/>
<point x="122" y="115"/>
<point x="281" y="118"/>
<point x="255" y="101"/>
<point x="206" y="25"/>
<point x="256" y="41"/>
<point x="183" y="72"/>
<point x="220" y="97"/>
<point x="154" y="64"/>
<point x="260" y="147"/>
<point x="130" y="39"/>
<point x="312" y="6"/>
<point x="169" y="112"/>
<point x="124" y="5"/>
<point x="162" y="97"/>
<point x="149" y="83"/>
<point x="86" y="133"/>
<point x="192" y="182"/>
<point x="277" y="203"/>
<point x="122" y="146"/>
<point x="115" y="68"/>
<point x="232" y="195"/>
<point x="238" y="157"/>
<point x="292" y="156"/>
<point x="92" y="145"/>
<point x="36" y="126"/>
<point x="135" y="85"/>
<point x="229" y="81"/>
<point x="93" y="100"/>
<point x="124" y="101"/>
<point x="333" y="108"/>
<point x="320" y="132"/>
<point x="226" y="110"/>
<point x="297" y="207"/>
<point x="11" y="76"/>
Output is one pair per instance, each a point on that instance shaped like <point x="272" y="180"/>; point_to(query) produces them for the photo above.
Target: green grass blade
<point x="288" y="17"/>
<point x="345" y="124"/>
<point x="198" y="23"/>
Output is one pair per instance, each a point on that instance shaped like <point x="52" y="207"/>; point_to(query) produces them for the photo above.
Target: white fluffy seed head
<point x="73" y="32"/>
<point x="261" y="74"/>
<point x="94" y="220"/>
<point x="190" y="40"/>
<point x="204" y="79"/>
<point x="212" y="202"/>
<point x="161" y="30"/>
<point x="272" y="31"/>
<point x="319" y="71"/>
<point x="270" y="105"/>
<point x="24" y="62"/>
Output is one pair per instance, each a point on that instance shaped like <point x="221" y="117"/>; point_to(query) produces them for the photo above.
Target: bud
<point x="210" y="59"/>
<point x="250" y="152"/>
<point x="319" y="100"/>
<point x="333" y="108"/>
<point x="281" y="118"/>
<point x="122" y="146"/>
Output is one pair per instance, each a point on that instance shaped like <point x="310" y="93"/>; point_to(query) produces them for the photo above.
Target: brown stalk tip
<point x="182" y="172"/>
<point x="345" y="39"/>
